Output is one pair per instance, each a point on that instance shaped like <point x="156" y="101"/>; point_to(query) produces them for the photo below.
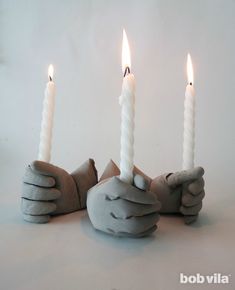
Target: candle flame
<point x="190" y="70"/>
<point x="50" y="72"/>
<point x="126" y="56"/>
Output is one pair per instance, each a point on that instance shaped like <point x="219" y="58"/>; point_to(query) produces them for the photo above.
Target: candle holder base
<point x="181" y="193"/>
<point x="121" y="209"/>
<point x="49" y="190"/>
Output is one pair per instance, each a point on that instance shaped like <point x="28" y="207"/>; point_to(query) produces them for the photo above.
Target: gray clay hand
<point x="181" y="192"/>
<point x="49" y="190"/>
<point x="120" y="209"/>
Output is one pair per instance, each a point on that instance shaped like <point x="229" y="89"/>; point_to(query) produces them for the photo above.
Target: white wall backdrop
<point x="83" y="41"/>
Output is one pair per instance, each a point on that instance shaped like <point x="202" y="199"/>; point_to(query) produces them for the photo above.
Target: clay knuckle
<point x="191" y="210"/>
<point x="42" y="219"/>
<point x="37" y="207"/>
<point x="190" y="219"/>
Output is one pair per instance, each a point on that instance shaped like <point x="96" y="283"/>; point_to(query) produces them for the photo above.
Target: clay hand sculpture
<point x="121" y="209"/>
<point x="49" y="190"/>
<point x="181" y="192"/>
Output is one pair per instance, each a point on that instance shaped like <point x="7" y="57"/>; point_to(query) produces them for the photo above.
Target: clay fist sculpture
<point x="181" y="192"/>
<point x="49" y="190"/>
<point x="121" y="209"/>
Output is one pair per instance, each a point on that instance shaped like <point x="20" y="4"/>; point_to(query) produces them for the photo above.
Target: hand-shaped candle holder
<point x="121" y="209"/>
<point x="114" y="206"/>
<point x="49" y="190"/>
<point x="180" y="192"/>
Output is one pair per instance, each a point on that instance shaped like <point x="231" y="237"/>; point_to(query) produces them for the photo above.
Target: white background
<point x="83" y="41"/>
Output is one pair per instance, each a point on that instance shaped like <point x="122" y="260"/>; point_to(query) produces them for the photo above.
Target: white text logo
<point x="215" y="278"/>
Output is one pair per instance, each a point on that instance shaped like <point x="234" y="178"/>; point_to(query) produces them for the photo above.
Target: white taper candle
<point x="127" y="102"/>
<point x="189" y="120"/>
<point x="47" y="119"/>
<point x="189" y="128"/>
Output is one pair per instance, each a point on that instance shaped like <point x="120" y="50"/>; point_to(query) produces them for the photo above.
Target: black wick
<point x="190" y="84"/>
<point x="50" y="78"/>
<point x="127" y="71"/>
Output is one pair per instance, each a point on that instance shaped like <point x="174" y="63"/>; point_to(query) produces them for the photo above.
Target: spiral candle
<point x="47" y="121"/>
<point x="127" y="101"/>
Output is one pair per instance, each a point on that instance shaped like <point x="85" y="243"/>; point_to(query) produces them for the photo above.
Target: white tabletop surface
<point x="68" y="253"/>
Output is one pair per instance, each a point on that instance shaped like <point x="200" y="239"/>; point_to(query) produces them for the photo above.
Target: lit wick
<point x="127" y="71"/>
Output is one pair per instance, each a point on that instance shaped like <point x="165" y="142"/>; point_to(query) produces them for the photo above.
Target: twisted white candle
<point x="127" y="101"/>
<point x="189" y="128"/>
<point x="47" y="122"/>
